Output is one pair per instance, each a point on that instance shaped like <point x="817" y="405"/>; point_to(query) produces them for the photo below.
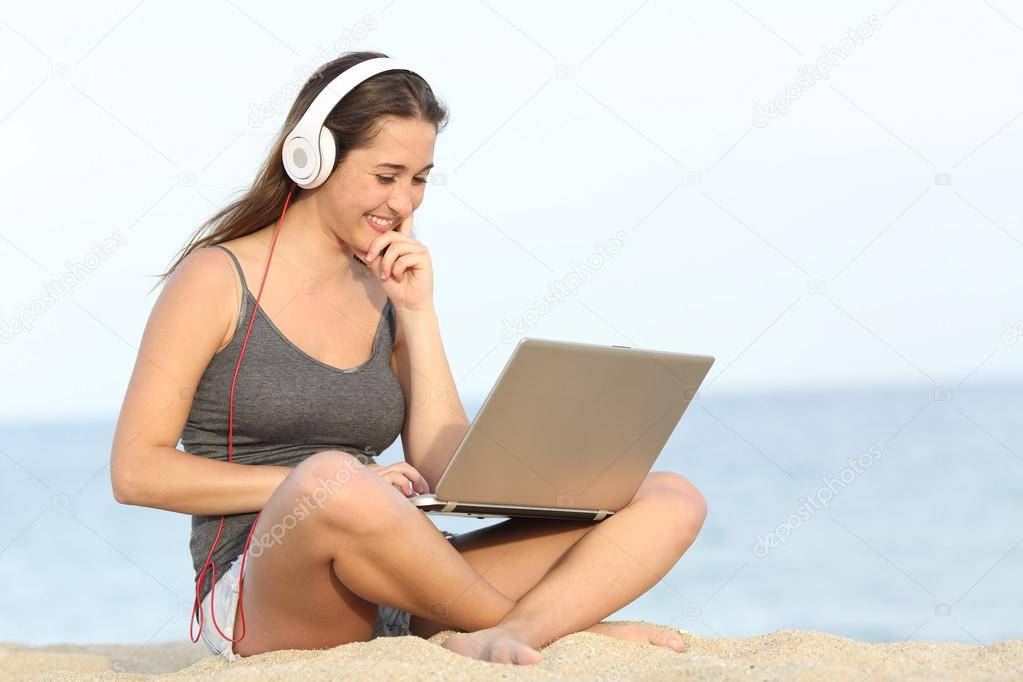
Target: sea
<point x="883" y="514"/>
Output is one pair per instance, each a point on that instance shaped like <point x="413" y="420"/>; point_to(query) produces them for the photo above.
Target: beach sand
<point x="782" y="655"/>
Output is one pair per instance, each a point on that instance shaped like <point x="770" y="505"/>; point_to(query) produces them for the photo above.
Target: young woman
<point x="345" y="353"/>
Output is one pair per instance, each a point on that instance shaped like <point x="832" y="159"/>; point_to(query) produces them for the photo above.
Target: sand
<point x="783" y="655"/>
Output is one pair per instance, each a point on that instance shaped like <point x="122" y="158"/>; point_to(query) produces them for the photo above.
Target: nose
<point x="402" y="199"/>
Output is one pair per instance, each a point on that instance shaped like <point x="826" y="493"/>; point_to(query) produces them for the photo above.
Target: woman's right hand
<point x="401" y="475"/>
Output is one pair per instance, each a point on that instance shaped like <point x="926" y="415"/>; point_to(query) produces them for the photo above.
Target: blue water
<point x="924" y="542"/>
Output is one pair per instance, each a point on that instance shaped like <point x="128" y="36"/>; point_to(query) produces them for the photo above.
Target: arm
<point x="191" y="320"/>
<point x="193" y="484"/>
<point x="435" y="421"/>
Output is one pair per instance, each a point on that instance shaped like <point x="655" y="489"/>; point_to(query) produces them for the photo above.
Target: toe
<point x="667" y="638"/>
<point x="527" y="656"/>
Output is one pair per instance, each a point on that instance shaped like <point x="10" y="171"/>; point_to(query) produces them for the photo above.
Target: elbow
<point x="121" y="496"/>
<point x="122" y="483"/>
<point x="122" y="493"/>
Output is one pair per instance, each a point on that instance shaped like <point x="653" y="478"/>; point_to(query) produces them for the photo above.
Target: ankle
<point x="502" y="607"/>
<point x="525" y="629"/>
<point x="488" y="609"/>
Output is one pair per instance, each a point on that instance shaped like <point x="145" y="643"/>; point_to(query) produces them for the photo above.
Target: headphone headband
<point x="309" y="149"/>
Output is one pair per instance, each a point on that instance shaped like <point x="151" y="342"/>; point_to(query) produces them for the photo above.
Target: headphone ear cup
<point x="328" y="153"/>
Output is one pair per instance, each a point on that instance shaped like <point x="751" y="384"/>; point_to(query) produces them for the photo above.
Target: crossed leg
<point x="566" y="576"/>
<point x="363" y="544"/>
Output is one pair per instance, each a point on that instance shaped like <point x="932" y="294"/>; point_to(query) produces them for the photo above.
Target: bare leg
<point x="333" y="542"/>
<point x="613" y="563"/>
<point x="516" y="554"/>
<point x="379" y="549"/>
<point x="400" y="559"/>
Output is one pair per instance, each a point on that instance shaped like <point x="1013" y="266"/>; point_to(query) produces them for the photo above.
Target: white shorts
<point x="390" y="622"/>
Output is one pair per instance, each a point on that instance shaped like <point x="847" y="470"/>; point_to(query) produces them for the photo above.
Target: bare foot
<point x="494" y="645"/>
<point x="641" y="632"/>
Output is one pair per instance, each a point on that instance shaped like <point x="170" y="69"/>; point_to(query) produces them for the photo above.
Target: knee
<point x="337" y="483"/>
<point x="690" y="506"/>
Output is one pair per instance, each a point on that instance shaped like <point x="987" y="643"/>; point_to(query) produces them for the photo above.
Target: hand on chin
<point x="407" y="275"/>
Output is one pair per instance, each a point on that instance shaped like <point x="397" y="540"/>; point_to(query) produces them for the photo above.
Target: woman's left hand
<point x="405" y="271"/>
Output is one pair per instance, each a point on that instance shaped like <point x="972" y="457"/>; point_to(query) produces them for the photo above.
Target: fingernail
<point x="674" y="644"/>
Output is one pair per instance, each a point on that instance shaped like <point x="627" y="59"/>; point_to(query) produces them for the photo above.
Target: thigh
<point x="291" y="597"/>
<point x="514" y="555"/>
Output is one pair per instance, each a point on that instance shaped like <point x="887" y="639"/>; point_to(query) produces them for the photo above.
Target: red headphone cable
<point x="209" y="564"/>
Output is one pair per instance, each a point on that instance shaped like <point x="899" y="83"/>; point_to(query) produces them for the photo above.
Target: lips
<point x="379" y="228"/>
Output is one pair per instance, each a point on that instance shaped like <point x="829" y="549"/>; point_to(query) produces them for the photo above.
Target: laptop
<point x="568" y="431"/>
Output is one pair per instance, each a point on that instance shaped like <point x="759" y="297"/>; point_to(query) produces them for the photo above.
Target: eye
<point x="388" y="179"/>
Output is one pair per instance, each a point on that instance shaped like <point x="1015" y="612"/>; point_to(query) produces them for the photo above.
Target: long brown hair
<point x="354" y="123"/>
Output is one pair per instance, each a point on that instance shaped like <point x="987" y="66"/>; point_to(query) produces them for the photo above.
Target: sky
<point x="822" y="196"/>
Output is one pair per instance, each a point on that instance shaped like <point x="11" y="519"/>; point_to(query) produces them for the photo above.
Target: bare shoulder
<point x="207" y="278"/>
<point x="184" y="331"/>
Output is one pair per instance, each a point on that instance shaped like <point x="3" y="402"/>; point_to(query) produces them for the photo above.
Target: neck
<point x="308" y="245"/>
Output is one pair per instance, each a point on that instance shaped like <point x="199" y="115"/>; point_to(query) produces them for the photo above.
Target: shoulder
<point x="206" y="278"/>
<point x="208" y="270"/>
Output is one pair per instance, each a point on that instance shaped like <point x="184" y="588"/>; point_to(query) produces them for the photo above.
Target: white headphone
<point x="307" y="163"/>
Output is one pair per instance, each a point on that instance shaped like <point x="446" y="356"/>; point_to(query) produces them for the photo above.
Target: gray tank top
<point x="287" y="406"/>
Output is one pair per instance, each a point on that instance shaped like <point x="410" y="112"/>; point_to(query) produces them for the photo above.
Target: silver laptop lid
<point x="572" y="425"/>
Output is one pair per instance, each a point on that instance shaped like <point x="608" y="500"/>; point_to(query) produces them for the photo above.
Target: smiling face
<point x="386" y="180"/>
